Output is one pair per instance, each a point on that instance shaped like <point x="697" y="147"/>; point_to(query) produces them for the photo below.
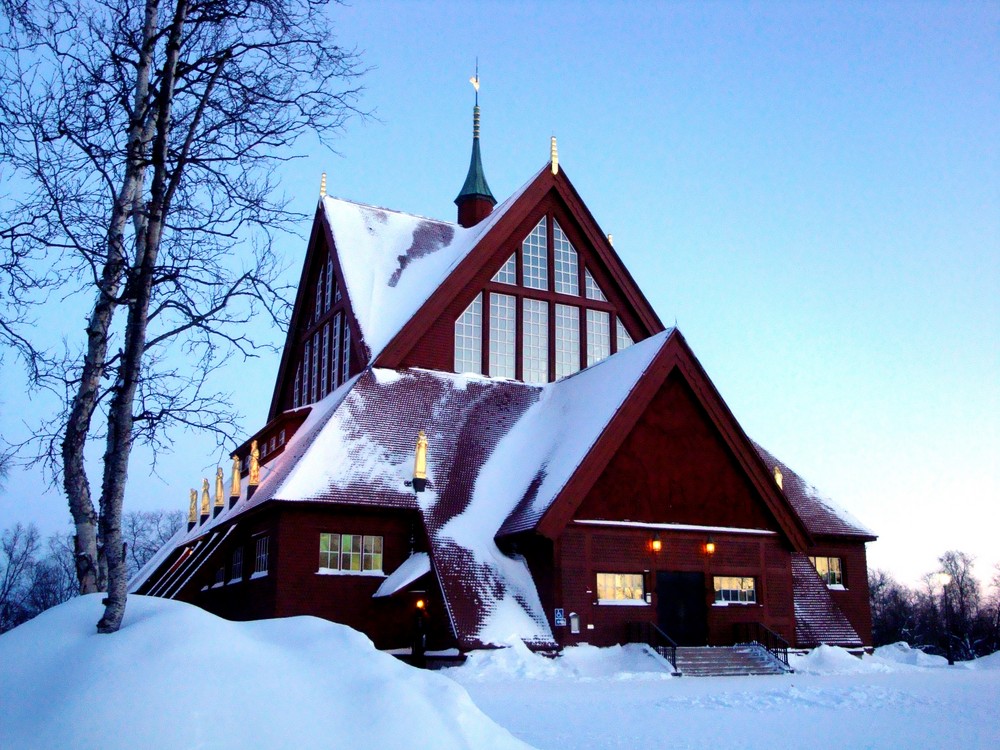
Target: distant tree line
<point x="36" y="574"/>
<point x="947" y="614"/>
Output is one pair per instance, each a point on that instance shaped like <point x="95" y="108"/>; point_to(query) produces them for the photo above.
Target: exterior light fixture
<point x="656" y="545"/>
<point x="421" y="604"/>
<point x="420" y="463"/>
<point x="710" y="546"/>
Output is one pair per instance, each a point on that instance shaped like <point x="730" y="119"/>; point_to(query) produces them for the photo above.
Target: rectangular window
<point x="350" y="552"/>
<point x="236" y="568"/>
<point x="318" y="309"/>
<point x="345" y="355"/>
<point x="534" y="257"/>
<point x="220" y="576"/>
<point x="469" y="338"/>
<point x="372" y="555"/>
<point x="735" y="590"/>
<point x="329" y="551"/>
<point x="260" y="559"/>
<point x="281" y="438"/>
<point x="535" y="338"/>
<point x="324" y="370"/>
<point x="296" y="389"/>
<point x="314" y="381"/>
<point x="830" y="569"/>
<point x="328" y="298"/>
<point x="507" y="273"/>
<point x="306" y="365"/>
<point x="567" y="340"/>
<point x="598" y="336"/>
<point x="564" y="255"/>
<point x="624" y="340"/>
<point x="335" y="354"/>
<point x="503" y="321"/>
<point x="620" y="587"/>
<point x="592" y="289"/>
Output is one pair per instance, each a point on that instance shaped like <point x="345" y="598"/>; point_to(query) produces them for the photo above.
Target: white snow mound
<point x="902" y="653"/>
<point x="176" y="676"/>
<point x="835" y="660"/>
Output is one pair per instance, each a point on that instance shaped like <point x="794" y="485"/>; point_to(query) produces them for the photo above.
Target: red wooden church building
<point x="580" y="472"/>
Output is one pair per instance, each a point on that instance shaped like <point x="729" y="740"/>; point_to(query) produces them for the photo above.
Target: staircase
<point x="717" y="661"/>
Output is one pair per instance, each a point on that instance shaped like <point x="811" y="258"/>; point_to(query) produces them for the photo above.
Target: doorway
<point x="680" y="607"/>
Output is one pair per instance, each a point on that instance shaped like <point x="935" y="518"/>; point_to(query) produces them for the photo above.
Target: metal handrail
<point x="757" y="633"/>
<point x="652" y="636"/>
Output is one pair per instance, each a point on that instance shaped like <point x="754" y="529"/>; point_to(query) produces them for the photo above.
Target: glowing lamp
<point x="656" y="545"/>
<point x="421" y="604"/>
<point x="710" y="546"/>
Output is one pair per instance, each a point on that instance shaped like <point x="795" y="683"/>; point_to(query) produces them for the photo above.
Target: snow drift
<point x="177" y="676"/>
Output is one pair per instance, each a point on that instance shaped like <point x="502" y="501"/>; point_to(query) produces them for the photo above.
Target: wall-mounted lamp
<point x="656" y="545"/>
<point x="710" y="546"/>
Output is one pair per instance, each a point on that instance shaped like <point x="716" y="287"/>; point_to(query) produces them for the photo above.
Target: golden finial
<point x="254" y="464"/>
<point x="204" y="497"/>
<point x="779" y="478"/>
<point x="611" y="240"/>
<point x="420" y="463"/>
<point x="219" y="491"/>
<point x="193" y="510"/>
<point x="234" y="490"/>
<point x="554" y="156"/>
<point x="322" y="185"/>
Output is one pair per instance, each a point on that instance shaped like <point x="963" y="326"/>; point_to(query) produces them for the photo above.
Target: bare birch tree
<point x="148" y="131"/>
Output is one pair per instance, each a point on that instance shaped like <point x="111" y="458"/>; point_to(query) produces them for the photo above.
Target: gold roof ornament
<point x="219" y="490"/>
<point x="554" y="156"/>
<point x="205" y="501"/>
<point x="234" y="489"/>
<point x="254" y="464"/>
<point x="322" y="185"/>
<point x="193" y="510"/>
<point x="779" y="478"/>
<point x="420" y="463"/>
<point x="611" y="240"/>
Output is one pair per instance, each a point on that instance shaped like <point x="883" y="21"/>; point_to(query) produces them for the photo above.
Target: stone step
<point x="706" y="661"/>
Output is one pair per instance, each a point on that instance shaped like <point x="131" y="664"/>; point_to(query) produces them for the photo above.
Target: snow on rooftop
<point x="416" y="565"/>
<point x="176" y="676"/>
<point x="377" y="247"/>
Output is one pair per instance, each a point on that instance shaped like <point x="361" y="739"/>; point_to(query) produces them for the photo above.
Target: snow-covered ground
<point x="623" y="698"/>
<point x="178" y="677"/>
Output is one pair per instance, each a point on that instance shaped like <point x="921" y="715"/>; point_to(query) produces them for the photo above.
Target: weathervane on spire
<point x="475" y="81"/>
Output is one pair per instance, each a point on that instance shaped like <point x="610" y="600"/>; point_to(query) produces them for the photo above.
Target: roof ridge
<point x="362" y="204"/>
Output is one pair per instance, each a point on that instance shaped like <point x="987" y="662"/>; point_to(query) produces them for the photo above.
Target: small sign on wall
<point x="560" y="617"/>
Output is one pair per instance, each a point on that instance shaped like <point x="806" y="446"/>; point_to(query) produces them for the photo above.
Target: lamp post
<point x="944" y="579"/>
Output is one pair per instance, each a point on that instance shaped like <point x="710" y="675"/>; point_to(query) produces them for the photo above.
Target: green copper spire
<point x="475" y="182"/>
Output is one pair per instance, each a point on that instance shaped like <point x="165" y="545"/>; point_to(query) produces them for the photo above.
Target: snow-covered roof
<point x="818" y="619"/>
<point x="416" y="565"/>
<point x="393" y="261"/>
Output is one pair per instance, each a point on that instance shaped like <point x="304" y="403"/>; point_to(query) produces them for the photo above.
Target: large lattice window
<point x="535" y="335"/>
<point x="335" y="353"/>
<point x="507" y="273"/>
<point x="345" y="363"/>
<point x="566" y="266"/>
<point x="534" y="257"/>
<point x="598" y="336"/>
<point x="567" y="340"/>
<point x="620" y="588"/>
<point x="624" y="340"/>
<point x="503" y="336"/>
<point x="469" y="338"/>
<point x="592" y="289"/>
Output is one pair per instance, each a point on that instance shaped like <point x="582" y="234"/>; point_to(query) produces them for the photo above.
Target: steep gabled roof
<point x="818" y="619"/>
<point x="821" y="515"/>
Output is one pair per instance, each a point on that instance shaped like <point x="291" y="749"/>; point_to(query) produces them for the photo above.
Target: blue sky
<point x="811" y="190"/>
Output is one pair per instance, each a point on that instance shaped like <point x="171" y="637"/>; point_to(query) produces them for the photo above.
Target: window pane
<point x="620" y="587"/>
<point x="296" y="388"/>
<point x="324" y="348"/>
<point x="534" y="257"/>
<point x="535" y="337"/>
<point x="502" y="335"/>
<point x="624" y="340"/>
<point x="567" y="340"/>
<point x="592" y="289"/>
<point x="314" y="380"/>
<point x="329" y="551"/>
<point x="373" y="553"/>
<point x="350" y="552"/>
<point x="598" y="336"/>
<point x="735" y="589"/>
<point x="469" y="338"/>
<point x="335" y="354"/>
<point x="507" y="273"/>
<point x="306" y="366"/>
<point x="345" y="354"/>
<point x="328" y="297"/>
<point x="318" y="309"/>
<point x="567" y="271"/>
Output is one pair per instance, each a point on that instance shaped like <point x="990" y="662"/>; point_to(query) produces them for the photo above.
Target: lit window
<point x="372" y="555"/>
<point x="345" y="363"/>
<point x="502" y="335"/>
<point x="564" y="254"/>
<point x="260" y="560"/>
<point x="735" y="590"/>
<point x="534" y="257"/>
<point x="335" y="354"/>
<point x="536" y="341"/>
<point x="469" y="338"/>
<point x="324" y="348"/>
<point x="624" y="340"/>
<point x="567" y="340"/>
<point x="329" y="551"/>
<point x="598" y="336"/>
<point x="328" y="298"/>
<point x="296" y="388"/>
<point x="592" y="289"/>
<point x="350" y="552"/>
<point x="237" y="565"/>
<point x="620" y="587"/>
<point x="830" y="569"/>
<point x="507" y="273"/>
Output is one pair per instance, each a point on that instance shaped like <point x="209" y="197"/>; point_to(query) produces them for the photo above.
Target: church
<point x="481" y="430"/>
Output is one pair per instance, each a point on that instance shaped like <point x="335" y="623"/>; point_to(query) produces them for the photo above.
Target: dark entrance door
<point x="681" y="607"/>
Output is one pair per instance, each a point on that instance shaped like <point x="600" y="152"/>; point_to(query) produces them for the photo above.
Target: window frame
<point x="719" y="599"/>
<point x="841" y="582"/>
<point x="366" y="560"/>
<point x="620" y="601"/>
<point x="262" y="554"/>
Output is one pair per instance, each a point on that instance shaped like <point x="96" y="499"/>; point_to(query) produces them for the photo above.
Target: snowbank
<point x="903" y="653"/>
<point x="834" y="660"/>
<point x="176" y="676"/>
